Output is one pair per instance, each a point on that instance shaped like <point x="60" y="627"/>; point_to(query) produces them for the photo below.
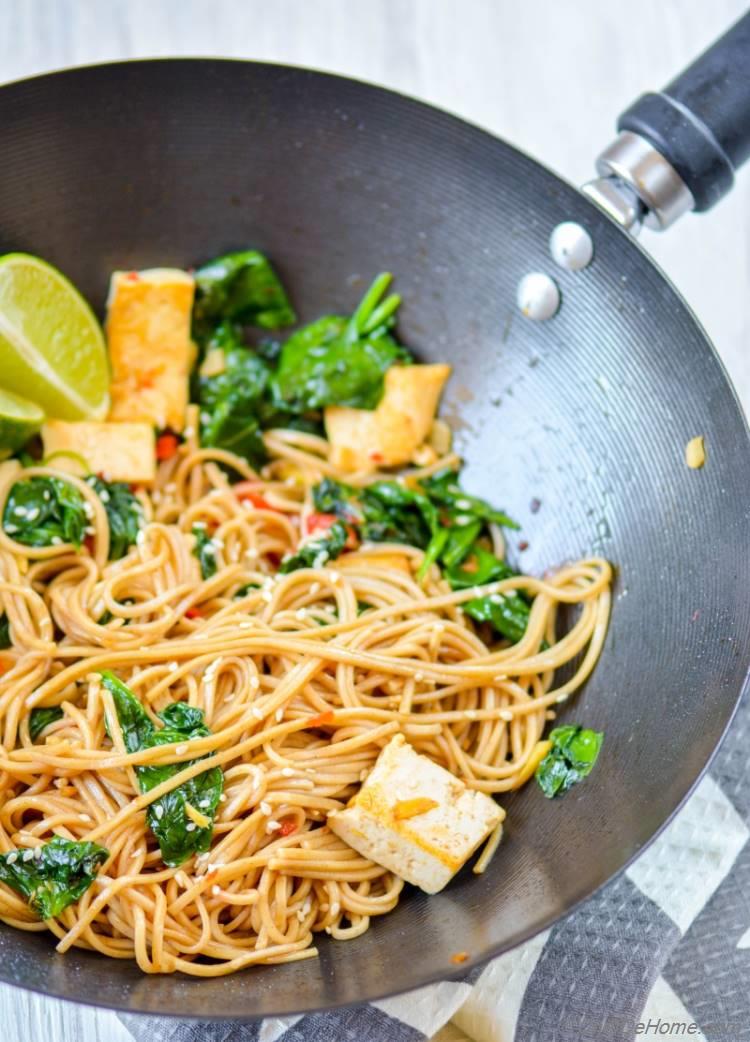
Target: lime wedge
<point x="52" y="348"/>
<point x="19" y="420"/>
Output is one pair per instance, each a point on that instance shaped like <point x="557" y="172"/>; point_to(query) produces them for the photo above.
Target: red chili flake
<point x="321" y="718"/>
<point x="5" y="666"/>
<point x="88" y="542"/>
<point x="166" y="445"/>
<point x="459" y="957"/>
<point x="523" y="545"/>
<point x="132" y="276"/>
<point x="274" y="558"/>
<point x="375" y="456"/>
<point x="319" y="522"/>
<point x="287" y="828"/>
<point x="534" y="505"/>
<point x="193" y="613"/>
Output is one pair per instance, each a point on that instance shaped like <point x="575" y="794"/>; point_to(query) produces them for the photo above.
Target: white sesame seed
<point x="190" y="827"/>
<point x="257" y="713"/>
<point x="251" y="553"/>
<point x="204" y="803"/>
<point x="56" y="540"/>
<point x="265" y="808"/>
<point x="267" y="596"/>
<point x="90" y="530"/>
<point x="280" y="714"/>
<point x="88" y="510"/>
<point x="218" y="542"/>
<point x="84" y="817"/>
<point x="499" y="678"/>
<point x="38" y="853"/>
<point x="104" y="495"/>
<point x="12" y="857"/>
<point x="301" y="613"/>
<point x="505" y="714"/>
<point x="333" y="575"/>
<point x="418" y="677"/>
<point x="27" y="855"/>
<point x="246" y="626"/>
<point x="215" y="889"/>
<point x="288" y="772"/>
<point x="188" y="432"/>
<point x="10" y="529"/>
<point x="199" y="524"/>
<point x="273" y="826"/>
<point x="335" y="908"/>
<point x="140" y="539"/>
<point x="180" y="749"/>
<point x="223" y="798"/>
<point x="173" y="667"/>
<point x="159" y="811"/>
<point x="254" y="683"/>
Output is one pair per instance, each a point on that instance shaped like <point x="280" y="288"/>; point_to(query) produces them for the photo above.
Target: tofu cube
<point x="415" y="818"/>
<point x="365" y="439"/>
<point x="121" y="451"/>
<point x="150" y="350"/>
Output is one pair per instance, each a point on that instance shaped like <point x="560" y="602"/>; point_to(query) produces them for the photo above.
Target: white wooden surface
<point x="548" y="76"/>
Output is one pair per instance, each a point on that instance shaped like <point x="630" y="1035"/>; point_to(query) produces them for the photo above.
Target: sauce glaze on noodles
<point x="299" y="691"/>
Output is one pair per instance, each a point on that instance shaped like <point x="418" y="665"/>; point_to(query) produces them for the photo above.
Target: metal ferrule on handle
<point x="678" y="150"/>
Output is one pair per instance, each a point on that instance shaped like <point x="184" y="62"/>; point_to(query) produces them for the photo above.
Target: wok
<point x="172" y="162"/>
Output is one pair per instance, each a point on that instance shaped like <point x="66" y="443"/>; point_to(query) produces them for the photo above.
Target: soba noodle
<point x="300" y="693"/>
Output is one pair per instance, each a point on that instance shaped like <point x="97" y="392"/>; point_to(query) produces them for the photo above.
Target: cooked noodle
<point x="299" y="691"/>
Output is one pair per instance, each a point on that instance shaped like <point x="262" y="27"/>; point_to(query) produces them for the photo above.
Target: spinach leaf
<point x="318" y="551"/>
<point x="124" y="514"/>
<point x="242" y="287"/>
<point x="179" y="836"/>
<point x="443" y="489"/>
<point x="205" y="551"/>
<point x="573" y="754"/>
<point x="340" y="361"/>
<point x="5" y="639"/>
<point x="61" y="873"/>
<point x="42" y="717"/>
<point x="382" y="512"/>
<point x="43" y="511"/>
<point x="507" y="612"/>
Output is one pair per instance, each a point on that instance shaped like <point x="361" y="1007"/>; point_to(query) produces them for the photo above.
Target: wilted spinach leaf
<point x="205" y="551"/>
<point x="572" y="756"/>
<point x="42" y="511"/>
<point x="124" y="514"/>
<point x="179" y="836"/>
<point x="62" y="872"/>
<point x="42" y="717"/>
<point x="241" y="287"/>
<point x="341" y="361"/>
<point x="318" y="551"/>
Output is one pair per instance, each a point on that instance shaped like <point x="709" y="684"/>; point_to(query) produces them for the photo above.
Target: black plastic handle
<point x="700" y="122"/>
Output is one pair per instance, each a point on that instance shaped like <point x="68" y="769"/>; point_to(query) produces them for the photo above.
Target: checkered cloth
<point x="662" y="952"/>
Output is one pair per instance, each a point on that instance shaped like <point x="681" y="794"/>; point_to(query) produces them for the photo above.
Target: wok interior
<point x="169" y="163"/>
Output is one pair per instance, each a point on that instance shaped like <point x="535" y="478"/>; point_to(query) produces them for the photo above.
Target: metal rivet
<point x="538" y="296"/>
<point x="571" y="246"/>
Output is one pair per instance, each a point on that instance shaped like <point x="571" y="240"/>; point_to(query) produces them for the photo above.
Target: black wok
<point x="171" y="162"/>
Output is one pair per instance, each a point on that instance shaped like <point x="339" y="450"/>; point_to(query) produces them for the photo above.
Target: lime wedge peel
<point x="20" y="419"/>
<point x="52" y="348"/>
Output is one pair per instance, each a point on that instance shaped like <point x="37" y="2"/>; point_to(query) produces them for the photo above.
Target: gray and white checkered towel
<point x="662" y="952"/>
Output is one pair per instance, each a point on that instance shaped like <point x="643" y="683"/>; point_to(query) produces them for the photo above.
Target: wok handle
<point x="678" y="149"/>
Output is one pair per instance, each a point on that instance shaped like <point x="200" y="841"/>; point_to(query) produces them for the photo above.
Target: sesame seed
<point x="505" y="714"/>
<point x="188" y="432"/>
<point x="254" y="683"/>
<point x="251" y="553"/>
<point x="257" y="713"/>
<point x="273" y="826"/>
<point x="246" y="626"/>
<point x="32" y="513"/>
<point x="56" y="540"/>
<point x="84" y="817"/>
<point x="173" y="667"/>
<point x="301" y="613"/>
<point x="12" y="857"/>
<point x="88" y="510"/>
<point x="140" y="539"/>
<point x="280" y="714"/>
<point x="463" y="504"/>
<point x="215" y="889"/>
<point x="180" y="749"/>
<point x="333" y="575"/>
<point x="265" y="808"/>
<point x="190" y="827"/>
<point x="223" y="798"/>
<point x="218" y="542"/>
<point x="38" y="853"/>
<point x="10" y="529"/>
<point x="418" y="677"/>
<point x="199" y="524"/>
<point x="288" y="772"/>
<point x="27" y="855"/>
<point x="90" y="530"/>
<point x="159" y="811"/>
<point x="104" y="495"/>
<point x="204" y="803"/>
<point x="267" y="596"/>
<point x="335" y="908"/>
